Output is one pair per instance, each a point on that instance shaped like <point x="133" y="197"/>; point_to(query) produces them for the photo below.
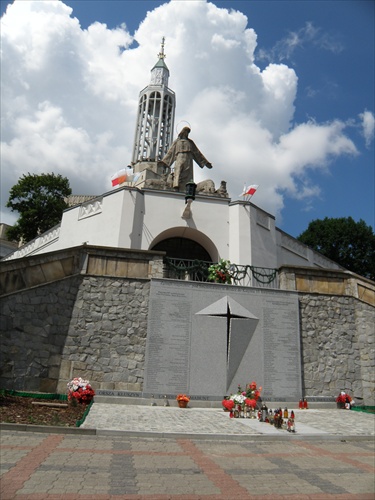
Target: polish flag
<point x="119" y="177"/>
<point x="249" y="191"/>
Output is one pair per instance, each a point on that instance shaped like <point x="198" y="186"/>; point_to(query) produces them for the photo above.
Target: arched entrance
<point x="185" y="258"/>
<point x="183" y="248"/>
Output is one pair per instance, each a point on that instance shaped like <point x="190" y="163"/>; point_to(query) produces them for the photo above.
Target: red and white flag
<point x="119" y="177"/>
<point x="250" y="190"/>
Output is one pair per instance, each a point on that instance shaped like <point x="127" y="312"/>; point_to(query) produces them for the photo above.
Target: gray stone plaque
<point x="168" y="342"/>
<point x="204" y="339"/>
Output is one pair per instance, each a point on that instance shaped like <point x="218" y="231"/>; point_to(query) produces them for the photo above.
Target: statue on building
<point x="183" y="151"/>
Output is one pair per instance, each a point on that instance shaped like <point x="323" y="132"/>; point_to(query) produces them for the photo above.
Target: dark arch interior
<point x="183" y="248"/>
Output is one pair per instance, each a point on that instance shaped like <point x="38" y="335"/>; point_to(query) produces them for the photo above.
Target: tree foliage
<point x="350" y="244"/>
<point x="39" y="199"/>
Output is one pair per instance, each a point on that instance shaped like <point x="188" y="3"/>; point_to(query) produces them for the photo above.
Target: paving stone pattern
<point x="168" y="453"/>
<point x="215" y="422"/>
<point x="57" y="466"/>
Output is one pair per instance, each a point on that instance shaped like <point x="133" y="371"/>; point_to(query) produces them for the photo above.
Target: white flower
<point x="238" y="399"/>
<point x="76" y="383"/>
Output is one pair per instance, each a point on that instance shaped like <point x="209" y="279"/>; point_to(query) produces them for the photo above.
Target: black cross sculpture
<point x="229" y="316"/>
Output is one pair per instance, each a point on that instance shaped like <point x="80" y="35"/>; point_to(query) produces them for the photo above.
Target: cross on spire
<point x="161" y="54"/>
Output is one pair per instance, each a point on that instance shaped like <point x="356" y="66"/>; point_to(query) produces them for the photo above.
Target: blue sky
<point x="279" y="93"/>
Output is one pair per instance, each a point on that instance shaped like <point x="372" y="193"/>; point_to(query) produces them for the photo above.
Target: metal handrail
<point x="241" y="275"/>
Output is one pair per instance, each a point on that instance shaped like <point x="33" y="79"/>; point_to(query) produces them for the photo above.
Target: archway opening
<point x="182" y="248"/>
<point x="185" y="259"/>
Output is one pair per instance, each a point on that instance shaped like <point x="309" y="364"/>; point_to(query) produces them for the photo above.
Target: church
<point x="149" y="209"/>
<point x="118" y="291"/>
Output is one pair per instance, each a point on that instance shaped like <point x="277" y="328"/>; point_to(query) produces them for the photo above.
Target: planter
<point x="182" y="404"/>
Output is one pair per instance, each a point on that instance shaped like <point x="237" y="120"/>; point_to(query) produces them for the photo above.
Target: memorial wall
<point x="204" y="340"/>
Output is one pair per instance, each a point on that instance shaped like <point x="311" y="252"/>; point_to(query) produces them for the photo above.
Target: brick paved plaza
<point x="46" y="466"/>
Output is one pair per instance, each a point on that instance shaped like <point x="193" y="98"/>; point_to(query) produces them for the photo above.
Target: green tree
<point x="350" y="244"/>
<point x="39" y="199"/>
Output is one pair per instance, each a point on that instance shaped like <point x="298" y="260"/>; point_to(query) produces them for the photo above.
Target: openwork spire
<point x="155" y="120"/>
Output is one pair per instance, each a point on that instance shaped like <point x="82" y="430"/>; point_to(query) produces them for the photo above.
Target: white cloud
<point x="368" y="126"/>
<point x="285" y="48"/>
<point x="69" y="100"/>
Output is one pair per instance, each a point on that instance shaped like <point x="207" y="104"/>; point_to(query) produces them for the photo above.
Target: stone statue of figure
<point x="183" y="151"/>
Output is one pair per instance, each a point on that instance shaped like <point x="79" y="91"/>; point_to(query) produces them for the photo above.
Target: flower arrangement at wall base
<point x="182" y="400"/>
<point x="344" y="401"/>
<point x="80" y="391"/>
<point x="220" y="272"/>
<point x="244" y="403"/>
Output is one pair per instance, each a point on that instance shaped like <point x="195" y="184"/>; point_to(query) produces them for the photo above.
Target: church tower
<point x="155" y="119"/>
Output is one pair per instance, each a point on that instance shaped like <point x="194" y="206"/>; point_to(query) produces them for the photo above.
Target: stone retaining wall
<point x="96" y="327"/>
<point x="34" y="328"/>
<point x="338" y="346"/>
<point x="106" y="341"/>
<point x="93" y="327"/>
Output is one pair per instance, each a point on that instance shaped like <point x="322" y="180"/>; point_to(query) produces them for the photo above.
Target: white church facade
<point x="141" y="219"/>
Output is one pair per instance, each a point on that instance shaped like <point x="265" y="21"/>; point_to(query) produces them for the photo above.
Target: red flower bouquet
<point x="228" y="404"/>
<point x="182" y="397"/>
<point x="236" y="404"/>
<point x="250" y="402"/>
<point x="252" y="392"/>
<point x="80" y="391"/>
<point x="341" y="398"/>
<point x="220" y="272"/>
<point x="344" y="399"/>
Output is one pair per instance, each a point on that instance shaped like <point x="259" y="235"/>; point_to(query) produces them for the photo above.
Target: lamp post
<point x="190" y="191"/>
<point x="189" y="198"/>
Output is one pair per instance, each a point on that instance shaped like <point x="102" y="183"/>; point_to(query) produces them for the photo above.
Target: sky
<point x="277" y="93"/>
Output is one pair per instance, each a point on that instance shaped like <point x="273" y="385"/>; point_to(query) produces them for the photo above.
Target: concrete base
<point x="204" y="404"/>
